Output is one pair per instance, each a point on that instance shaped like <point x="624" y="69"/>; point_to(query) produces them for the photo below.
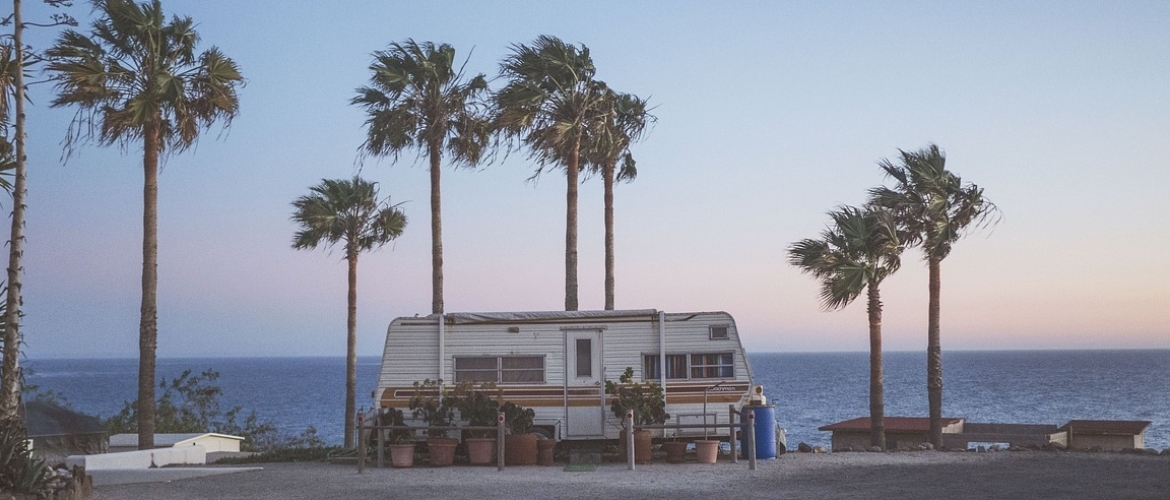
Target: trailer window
<point x="690" y="366"/>
<point x="501" y="369"/>
<point x="584" y="358"/>
<point x="720" y="365"/>
<point x="522" y="369"/>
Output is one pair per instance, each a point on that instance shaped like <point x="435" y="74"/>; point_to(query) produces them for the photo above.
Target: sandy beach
<point x="907" y="475"/>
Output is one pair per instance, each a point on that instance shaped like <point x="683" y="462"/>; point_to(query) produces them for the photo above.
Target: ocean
<point x="809" y="389"/>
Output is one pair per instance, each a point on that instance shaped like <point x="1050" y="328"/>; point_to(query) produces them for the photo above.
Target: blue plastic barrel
<point x="765" y="431"/>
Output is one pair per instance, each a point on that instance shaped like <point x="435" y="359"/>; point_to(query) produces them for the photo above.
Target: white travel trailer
<point x="557" y="363"/>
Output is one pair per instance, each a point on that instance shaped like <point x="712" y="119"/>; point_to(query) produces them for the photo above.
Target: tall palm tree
<point x="137" y="76"/>
<point x="610" y="144"/>
<point x="12" y="94"/>
<point x="854" y="255"/>
<point x="935" y="207"/>
<point x="418" y="99"/>
<point x="347" y="211"/>
<point x="550" y="103"/>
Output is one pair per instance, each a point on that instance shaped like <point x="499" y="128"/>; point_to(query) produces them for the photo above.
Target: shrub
<point x="429" y="404"/>
<point x="19" y="471"/>
<point x="646" y="399"/>
<point x="190" y="404"/>
<point x="517" y="419"/>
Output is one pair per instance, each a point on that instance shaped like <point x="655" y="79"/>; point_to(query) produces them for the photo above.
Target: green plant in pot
<point x="401" y="440"/>
<point x="646" y="400"/>
<point x="429" y="403"/>
<point x="478" y="409"/>
<point x="476" y="406"/>
<point x="395" y="418"/>
<point x="519" y="445"/>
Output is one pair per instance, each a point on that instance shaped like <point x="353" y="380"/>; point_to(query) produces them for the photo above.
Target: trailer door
<point x="584" y="386"/>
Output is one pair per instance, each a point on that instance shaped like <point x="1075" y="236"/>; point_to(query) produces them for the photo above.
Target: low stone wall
<point x="141" y="459"/>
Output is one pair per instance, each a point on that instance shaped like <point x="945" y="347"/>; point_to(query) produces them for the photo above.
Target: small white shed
<point x="211" y="441"/>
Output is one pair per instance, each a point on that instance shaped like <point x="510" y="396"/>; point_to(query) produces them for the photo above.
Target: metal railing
<point x="364" y="431"/>
<point x="749" y="427"/>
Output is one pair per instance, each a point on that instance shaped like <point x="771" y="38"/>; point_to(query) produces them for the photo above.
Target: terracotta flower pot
<point x="642" y="446"/>
<point x="676" y="452"/>
<point x="441" y="451"/>
<point x="706" y="451"/>
<point x="544" y="451"/>
<point x="402" y="455"/>
<point x="520" y="449"/>
<point x="481" y="451"/>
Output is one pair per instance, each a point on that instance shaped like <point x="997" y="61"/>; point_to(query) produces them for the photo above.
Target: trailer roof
<point x="552" y="316"/>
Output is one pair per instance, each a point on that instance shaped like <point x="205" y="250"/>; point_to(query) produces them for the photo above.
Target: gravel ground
<point x="907" y="475"/>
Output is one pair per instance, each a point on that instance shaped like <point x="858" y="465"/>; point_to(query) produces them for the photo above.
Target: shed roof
<point x="164" y="440"/>
<point x="1107" y="427"/>
<point x="893" y="424"/>
<point x="44" y="419"/>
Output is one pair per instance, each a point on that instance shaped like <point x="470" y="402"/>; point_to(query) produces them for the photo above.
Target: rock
<point x="926" y="447"/>
<point x="1149" y="451"/>
<point x="804" y="447"/>
<point x="875" y="449"/>
<point x="819" y="449"/>
<point x="981" y="449"/>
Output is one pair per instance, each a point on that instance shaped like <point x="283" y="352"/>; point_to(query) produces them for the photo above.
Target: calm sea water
<point x="809" y="390"/>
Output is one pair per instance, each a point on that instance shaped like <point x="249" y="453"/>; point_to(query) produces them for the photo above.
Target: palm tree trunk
<point x="934" y="378"/>
<point x="436" y="231"/>
<point x="10" y="385"/>
<point x="351" y="348"/>
<point x="571" y="227"/>
<point x="877" y="409"/>
<point x="609" y="281"/>
<point x="148" y="324"/>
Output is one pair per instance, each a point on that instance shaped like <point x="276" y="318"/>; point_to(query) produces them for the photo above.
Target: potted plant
<point x="401" y="440"/>
<point x="429" y="404"/>
<point x="478" y="410"/>
<point x="676" y="451"/>
<point x="519" y="445"/>
<point x="646" y="400"/>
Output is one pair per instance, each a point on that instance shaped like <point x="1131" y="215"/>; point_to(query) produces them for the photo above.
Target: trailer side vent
<point x="718" y="333"/>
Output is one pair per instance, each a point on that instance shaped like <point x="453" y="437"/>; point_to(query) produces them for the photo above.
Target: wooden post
<point x="500" y="441"/>
<point x="630" y="438"/>
<point x="731" y="419"/>
<point x="361" y="449"/>
<point x="751" y="439"/>
<point x="381" y="438"/>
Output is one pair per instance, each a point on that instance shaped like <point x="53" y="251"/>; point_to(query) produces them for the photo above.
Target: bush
<point x="19" y="471"/>
<point x="646" y="399"/>
<point x="190" y="404"/>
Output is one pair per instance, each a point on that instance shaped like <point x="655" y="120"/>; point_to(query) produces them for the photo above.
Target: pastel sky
<point x="769" y="114"/>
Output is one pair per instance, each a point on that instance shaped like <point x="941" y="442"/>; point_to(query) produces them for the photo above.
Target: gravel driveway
<point x="907" y="475"/>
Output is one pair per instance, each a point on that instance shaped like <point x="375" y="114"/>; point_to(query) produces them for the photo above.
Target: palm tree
<point x="417" y="99"/>
<point x="12" y="93"/>
<point x="854" y="255"/>
<point x="136" y="77"/>
<point x="347" y="211"/>
<point x="551" y="102"/>
<point x="935" y="207"/>
<point x="610" y="144"/>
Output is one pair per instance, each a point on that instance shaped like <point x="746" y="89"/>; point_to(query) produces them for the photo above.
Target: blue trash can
<point x="765" y="431"/>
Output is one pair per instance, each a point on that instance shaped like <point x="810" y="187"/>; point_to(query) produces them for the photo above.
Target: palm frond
<point x="138" y="70"/>
<point x="859" y="249"/>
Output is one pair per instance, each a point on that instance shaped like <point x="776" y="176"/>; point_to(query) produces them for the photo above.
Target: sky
<point x="769" y="115"/>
